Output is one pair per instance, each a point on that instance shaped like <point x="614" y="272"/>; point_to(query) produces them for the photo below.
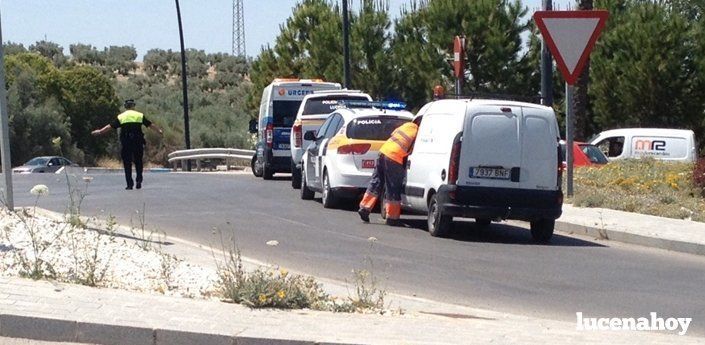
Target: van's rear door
<point x="492" y="147"/>
<point x="540" y="150"/>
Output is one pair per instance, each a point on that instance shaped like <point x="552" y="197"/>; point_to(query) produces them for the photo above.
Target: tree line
<point x="51" y="95"/>
<point x="647" y="69"/>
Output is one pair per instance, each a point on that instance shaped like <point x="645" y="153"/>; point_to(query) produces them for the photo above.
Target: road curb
<point x="49" y="329"/>
<point x="630" y="238"/>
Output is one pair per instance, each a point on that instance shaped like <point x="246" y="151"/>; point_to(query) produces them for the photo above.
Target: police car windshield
<point x="373" y="127"/>
<point x="285" y="112"/>
<point x="328" y="104"/>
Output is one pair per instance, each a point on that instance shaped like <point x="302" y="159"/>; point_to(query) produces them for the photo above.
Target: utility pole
<point x="5" y="133"/>
<point x="239" y="29"/>
<point x="184" y="86"/>
<point x="346" y="46"/>
<point x="546" y="66"/>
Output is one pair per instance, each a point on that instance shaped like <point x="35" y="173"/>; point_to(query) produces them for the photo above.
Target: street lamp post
<point x="187" y="132"/>
<point x="346" y="46"/>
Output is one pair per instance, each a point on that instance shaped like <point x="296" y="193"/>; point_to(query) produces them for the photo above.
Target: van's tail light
<point x="269" y="135"/>
<point x="353" y="149"/>
<point x="297" y="134"/>
<point x="561" y="167"/>
<point x="454" y="164"/>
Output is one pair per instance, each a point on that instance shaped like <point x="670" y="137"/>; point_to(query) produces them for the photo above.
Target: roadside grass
<point x="644" y="186"/>
<point x="273" y="287"/>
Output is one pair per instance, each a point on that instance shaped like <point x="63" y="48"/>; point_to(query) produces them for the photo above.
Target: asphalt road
<point x="499" y="268"/>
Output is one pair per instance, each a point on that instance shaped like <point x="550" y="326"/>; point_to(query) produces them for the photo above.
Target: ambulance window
<point x="284" y="112"/>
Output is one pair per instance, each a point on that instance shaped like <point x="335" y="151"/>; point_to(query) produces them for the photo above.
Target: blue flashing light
<point x="396" y="105"/>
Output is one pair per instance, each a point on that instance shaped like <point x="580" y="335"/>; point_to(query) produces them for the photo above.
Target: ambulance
<point x="280" y="102"/>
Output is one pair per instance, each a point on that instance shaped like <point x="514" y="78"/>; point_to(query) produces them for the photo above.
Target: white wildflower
<point x="273" y="243"/>
<point x="372" y="239"/>
<point x="39" y="189"/>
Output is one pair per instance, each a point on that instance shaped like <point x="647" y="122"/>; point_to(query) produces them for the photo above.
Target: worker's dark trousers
<point x="132" y="153"/>
<point x="389" y="175"/>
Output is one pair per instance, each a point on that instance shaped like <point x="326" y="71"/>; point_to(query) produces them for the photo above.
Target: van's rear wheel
<point x="306" y="193"/>
<point x="328" y="198"/>
<point x="439" y="225"/>
<point x="542" y="229"/>
<point x="295" y="176"/>
<point x="256" y="168"/>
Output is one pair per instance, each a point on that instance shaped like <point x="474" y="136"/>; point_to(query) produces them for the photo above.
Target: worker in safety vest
<point x="131" y="140"/>
<point x="389" y="174"/>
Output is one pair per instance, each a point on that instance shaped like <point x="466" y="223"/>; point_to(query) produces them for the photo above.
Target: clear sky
<point x="147" y="24"/>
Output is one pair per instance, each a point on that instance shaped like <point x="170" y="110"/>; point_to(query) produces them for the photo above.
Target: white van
<point x="659" y="143"/>
<point x="313" y="111"/>
<point x="277" y="111"/>
<point x="488" y="160"/>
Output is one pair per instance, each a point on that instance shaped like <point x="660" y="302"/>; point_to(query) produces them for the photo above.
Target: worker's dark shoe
<point x="393" y="222"/>
<point x="364" y="215"/>
<point x="128" y="188"/>
<point x="139" y="185"/>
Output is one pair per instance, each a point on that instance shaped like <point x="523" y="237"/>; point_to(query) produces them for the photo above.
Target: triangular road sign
<point x="570" y="36"/>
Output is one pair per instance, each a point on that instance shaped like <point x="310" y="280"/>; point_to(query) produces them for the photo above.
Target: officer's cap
<point x="130" y="103"/>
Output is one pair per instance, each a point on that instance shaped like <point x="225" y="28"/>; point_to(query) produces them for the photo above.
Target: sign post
<point x="570" y="36"/>
<point x="459" y="63"/>
<point x="6" y="195"/>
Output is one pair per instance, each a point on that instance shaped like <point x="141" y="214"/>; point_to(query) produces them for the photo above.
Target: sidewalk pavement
<point x="49" y="311"/>
<point x="69" y="313"/>
<point x="650" y="231"/>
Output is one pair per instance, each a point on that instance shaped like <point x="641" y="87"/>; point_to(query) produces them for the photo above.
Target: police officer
<point x="131" y="140"/>
<point x="389" y="173"/>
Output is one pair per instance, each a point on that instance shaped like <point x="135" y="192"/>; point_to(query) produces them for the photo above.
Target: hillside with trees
<point x="55" y="95"/>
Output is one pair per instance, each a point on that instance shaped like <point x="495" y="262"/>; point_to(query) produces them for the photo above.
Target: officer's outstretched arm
<point x="156" y="128"/>
<point x="102" y="131"/>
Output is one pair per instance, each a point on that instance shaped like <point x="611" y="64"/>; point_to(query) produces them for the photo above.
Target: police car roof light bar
<point x="374" y="104"/>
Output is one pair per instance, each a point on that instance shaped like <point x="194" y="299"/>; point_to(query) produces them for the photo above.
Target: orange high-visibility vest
<point x="399" y="144"/>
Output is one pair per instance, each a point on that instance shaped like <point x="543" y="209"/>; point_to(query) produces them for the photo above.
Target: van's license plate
<point x="493" y="173"/>
<point x="368" y="164"/>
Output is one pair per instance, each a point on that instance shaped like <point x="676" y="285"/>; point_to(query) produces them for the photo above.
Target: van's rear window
<point x="373" y="127"/>
<point x="285" y="112"/>
<point x="328" y="104"/>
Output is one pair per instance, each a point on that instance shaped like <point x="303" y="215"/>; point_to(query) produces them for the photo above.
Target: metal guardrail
<point x="210" y="153"/>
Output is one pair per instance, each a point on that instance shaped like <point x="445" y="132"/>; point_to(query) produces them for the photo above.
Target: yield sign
<point x="570" y="36"/>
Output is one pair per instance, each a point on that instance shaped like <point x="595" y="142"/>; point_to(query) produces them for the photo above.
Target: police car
<point x="343" y="152"/>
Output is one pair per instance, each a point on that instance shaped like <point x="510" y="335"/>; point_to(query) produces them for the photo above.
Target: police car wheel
<point x="306" y="193"/>
<point x="328" y="198"/>
<point x="542" y="229"/>
<point x="256" y="169"/>
<point x="295" y="177"/>
<point x="439" y="225"/>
